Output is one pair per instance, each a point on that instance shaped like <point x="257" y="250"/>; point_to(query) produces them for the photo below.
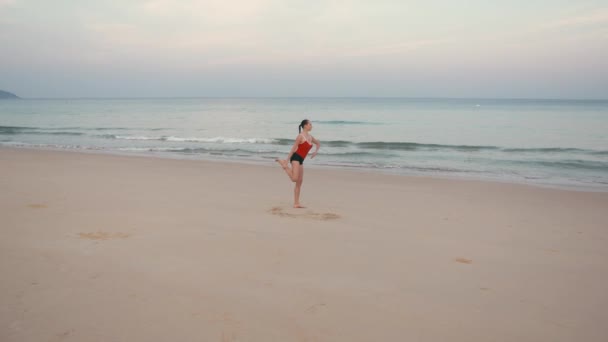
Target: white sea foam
<point x="216" y="140"/>
<point x="223" y="140"/>
<point x="128" y="137"/>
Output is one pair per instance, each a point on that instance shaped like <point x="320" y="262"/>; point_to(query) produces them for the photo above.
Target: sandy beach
<point x="102" y="247"/>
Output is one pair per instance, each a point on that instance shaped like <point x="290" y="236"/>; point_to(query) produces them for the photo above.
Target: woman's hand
<point x="313" y="154"/>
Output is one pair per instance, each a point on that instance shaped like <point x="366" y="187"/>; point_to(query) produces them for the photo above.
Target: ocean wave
<point x="122" y="129"/>
<point x="217" y="140"/>
<point x="401" y="146"/>
<point x="365" y="145"/>
<point x="434" y="169"/>
<point x="353" y="154"/>
<point x="50" y="130"/>
<point x="104" y="128"/>
<point x="223" y="140"/>
<point x="198" y="150"/>
<point x="108" y="128"/>
<point x="146" y="149"/>
<point x="27" y="129"/>
<point x="15" y="130"/>
<point x="50" y="146"/>
<point x="410" y="146"/>
<point x="330" y="143"/>
<point x="545" y="150"/>
<point x="346" y="122"/>
<point x="248" y="151"/>
<point x="566" y="164"/>
<point x="60" y="133"/>
<point x="130" y="137"/>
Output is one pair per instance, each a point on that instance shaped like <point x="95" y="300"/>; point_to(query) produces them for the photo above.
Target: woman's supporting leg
<point x="296" y="190"/>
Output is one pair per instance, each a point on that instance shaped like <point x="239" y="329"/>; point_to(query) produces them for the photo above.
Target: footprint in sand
<point x="463" y="260"/>
<point x="304" y="214"/>
<point x="37" y="206"/>
<point x="65" y="334"/>
<point x="231" y="326"/>
<point x="103" y="235"/>
<point x="315" y="307"/>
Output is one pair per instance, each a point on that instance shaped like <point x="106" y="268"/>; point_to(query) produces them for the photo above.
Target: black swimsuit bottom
<point x="297" y="157"/>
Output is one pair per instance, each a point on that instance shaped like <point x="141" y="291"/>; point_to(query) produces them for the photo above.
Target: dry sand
<point x="113" y="248"/>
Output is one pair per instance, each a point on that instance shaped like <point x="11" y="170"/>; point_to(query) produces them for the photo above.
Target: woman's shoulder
<point x="303" y="137"/>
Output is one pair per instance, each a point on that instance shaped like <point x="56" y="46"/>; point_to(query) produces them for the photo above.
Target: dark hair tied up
<point x="304" y="123"/>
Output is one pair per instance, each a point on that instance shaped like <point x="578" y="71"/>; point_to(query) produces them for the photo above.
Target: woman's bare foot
<point x="298" y="206"/>
<point x="282" y="162"/>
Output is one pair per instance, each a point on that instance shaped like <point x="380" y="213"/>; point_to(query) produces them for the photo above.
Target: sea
<point x="550" y="143"/>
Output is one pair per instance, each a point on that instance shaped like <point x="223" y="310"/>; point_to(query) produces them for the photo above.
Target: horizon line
<point x="310" y="97"/>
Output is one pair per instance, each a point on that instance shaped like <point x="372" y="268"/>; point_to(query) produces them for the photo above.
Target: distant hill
<point x="7" y="95"/>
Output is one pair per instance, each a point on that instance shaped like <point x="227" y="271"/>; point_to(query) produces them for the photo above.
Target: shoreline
<point x="339" y="168"/>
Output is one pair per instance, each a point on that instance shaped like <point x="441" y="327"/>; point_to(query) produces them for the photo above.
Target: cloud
<point x="598" y="16"/>
<point x="119" y="35"/>
<point x="207" y="10"/>
<point x="7" y="3"/>
<point x="395" y="49"/>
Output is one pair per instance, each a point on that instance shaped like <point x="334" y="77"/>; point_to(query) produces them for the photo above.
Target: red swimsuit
<point x="303" y="149"/>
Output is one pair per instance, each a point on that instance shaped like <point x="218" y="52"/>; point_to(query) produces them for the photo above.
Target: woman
<point x="296" y="156"/>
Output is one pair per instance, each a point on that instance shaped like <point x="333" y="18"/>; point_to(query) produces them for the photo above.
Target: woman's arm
<point x="294" y="148"/>
<point x="318" y="143"/>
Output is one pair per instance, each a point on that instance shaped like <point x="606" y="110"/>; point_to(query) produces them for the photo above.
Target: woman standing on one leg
<point x="300" y="149"/>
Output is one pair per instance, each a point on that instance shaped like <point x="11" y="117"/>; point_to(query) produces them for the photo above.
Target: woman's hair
<point x="304" y="123"/>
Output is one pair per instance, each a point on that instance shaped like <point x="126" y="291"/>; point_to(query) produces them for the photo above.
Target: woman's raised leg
<point x="294" y="172"/>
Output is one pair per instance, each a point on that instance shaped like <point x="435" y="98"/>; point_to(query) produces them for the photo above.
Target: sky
<point x="272" y="48"/>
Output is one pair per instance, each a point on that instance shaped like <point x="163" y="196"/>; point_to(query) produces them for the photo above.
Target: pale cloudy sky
<point x="409" y="48"/>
